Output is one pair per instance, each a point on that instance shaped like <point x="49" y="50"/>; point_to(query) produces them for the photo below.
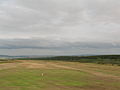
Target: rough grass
<point x="33" y="78"/>
<point x="56" y="78"/>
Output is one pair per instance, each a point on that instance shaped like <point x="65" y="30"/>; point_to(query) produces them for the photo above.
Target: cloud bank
<point x="68" y="27"/>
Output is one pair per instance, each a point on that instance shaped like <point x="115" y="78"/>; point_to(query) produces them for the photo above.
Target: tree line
<point x="100" y="59"/>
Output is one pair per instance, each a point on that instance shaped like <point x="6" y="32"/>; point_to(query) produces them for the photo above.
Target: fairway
<point x="58" y="75"/>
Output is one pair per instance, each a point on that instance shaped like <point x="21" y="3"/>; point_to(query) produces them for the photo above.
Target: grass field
<point x="58" y="75"/>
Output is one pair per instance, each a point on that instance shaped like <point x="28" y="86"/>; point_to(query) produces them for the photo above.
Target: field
<point x="58" y="75"/>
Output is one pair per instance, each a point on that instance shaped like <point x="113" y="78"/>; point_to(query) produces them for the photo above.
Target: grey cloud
<point x="60" y="25"/>
<point x="53" y="44"/>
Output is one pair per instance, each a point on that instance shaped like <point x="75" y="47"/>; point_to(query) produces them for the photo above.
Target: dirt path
<point x="88" y="71"/>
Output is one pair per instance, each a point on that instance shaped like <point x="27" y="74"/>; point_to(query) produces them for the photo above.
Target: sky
<point x="59" y="27"/>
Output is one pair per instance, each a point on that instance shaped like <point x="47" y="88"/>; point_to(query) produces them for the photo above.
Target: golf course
<point x="57" y="75"/>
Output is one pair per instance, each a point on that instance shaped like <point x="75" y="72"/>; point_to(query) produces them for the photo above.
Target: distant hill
<point x="25" y="56"/>
<point x="7" y="56"/>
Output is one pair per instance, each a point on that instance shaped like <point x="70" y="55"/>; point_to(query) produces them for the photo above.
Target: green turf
<point x="21" y="78"/>
<point x="33" y="78"/>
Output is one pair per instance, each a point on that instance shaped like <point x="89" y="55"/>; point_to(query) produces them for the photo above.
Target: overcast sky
<point x="59" y="27"/>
